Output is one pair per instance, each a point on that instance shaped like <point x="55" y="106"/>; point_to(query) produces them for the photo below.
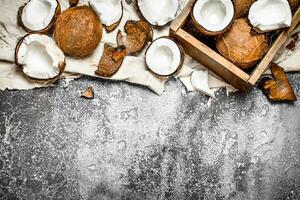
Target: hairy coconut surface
<point x="295" y="4"/>
<point x="78" y="31"/>
<point x="241" y="46"/>
<point x="111" y="60"/>
<point x="279" y="89"/>
<point x="139" y="33"/>
<point x="242" y="7"/>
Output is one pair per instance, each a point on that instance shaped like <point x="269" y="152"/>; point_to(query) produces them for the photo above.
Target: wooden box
<point x="216" y="62"/>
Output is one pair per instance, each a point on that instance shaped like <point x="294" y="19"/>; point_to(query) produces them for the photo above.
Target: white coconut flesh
<point x="163" y="57"/>
<point x="269" y="15"/>
<point x="199" y="80"/>
<point x="158" y="12"/>
<point x="109" y="11"/>
<point x="40" y="57"/>
<point x="38" y="14"/>
<point x="213" y="15"/>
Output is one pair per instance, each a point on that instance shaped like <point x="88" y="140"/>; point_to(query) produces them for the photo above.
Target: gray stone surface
<point x="128" y="143"/>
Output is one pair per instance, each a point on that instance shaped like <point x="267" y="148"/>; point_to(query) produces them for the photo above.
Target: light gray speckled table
<point x="128" y="143"/>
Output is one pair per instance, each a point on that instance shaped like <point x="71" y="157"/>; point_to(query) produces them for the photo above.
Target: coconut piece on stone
<point x="279" y="89"/>
<point x="39" y="15"/>
<point x="110" y="12"/>
<point x="39" y="57"/>
<point x="78" y="31"/>
<point x="88" y="93"/>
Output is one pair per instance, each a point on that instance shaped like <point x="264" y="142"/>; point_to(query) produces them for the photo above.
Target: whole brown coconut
<point x="241" y="46"/>
<point x="294" y="4"/>
<point x="78" y="31"/>
<point x="242" y="7"/>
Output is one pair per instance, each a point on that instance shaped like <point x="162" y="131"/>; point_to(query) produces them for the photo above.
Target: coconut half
<point x="270" y="15"/>
<point x="39" y="57"/>
<point x="213" y="17"/>
<point x="158" y="12"/>
<point x="109" y="11"/>
<point x="38" y="15"/>
<point x="164" y="56"/>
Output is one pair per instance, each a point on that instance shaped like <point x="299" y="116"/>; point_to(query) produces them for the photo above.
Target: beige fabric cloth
<point x="133" y="69"/>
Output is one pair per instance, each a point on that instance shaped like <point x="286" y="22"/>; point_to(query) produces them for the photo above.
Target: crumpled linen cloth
<point x="133" y="69"/>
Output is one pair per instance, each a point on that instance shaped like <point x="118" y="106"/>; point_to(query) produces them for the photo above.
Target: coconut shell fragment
<point x="139" y="33"/>
<point x="279" y="89"/>
<point x="241" y="46"/>
<point x="73" y="2"/>
<point x="111" y="60"/>
<point x="78" y="31"/>
<point x="88" y="93"/>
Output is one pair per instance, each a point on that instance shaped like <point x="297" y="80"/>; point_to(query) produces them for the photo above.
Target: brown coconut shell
<point x="242" y="46"/>
<point x="88" y="93"/>
<point x="61" y="65"/>
<point x="279" y="89"/>
<point x="111" y="60"/>
<point x="203" y="31"/>
<point x="242" y="7"/>
<point x="48" y="29"/>
<point x="181" y="57"/>
<point x="138" y="34"/>
<point x="78" y="31"/>
<point x="295" y="4"/>
<point x="73" y="2"/>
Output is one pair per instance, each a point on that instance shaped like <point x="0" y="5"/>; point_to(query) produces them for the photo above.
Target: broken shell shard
<point x="78" y="31"/>
<point x="270" y="15"/>
<point x="39" y="15"/>
<point x="164" y="56"/>
<point x="110" y="12"/>
<point x="111" y="60"/>
<point x="213" y="17"/>
<point x="39" y="57"/>
<point x="88" y="93"/>
<point x="279" y="89"/>
<point x="138" y="34"/>
<point x="158" y="12"/>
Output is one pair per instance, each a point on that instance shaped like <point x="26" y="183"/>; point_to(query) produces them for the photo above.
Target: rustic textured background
<point x="128" y="143"/>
